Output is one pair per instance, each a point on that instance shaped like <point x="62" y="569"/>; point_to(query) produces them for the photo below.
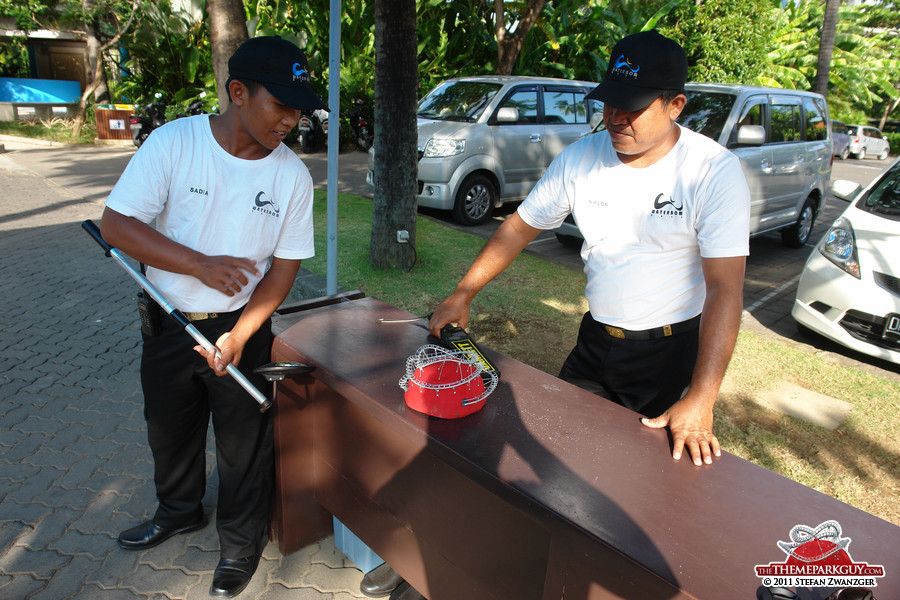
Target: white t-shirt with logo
<point x="213" y="202"/>
<point x="646" y="229"/>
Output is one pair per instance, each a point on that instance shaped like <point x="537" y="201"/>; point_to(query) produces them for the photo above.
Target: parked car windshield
<point x="706" y="112"/>
<point x="457" y="100"/>
<point x="884" y="198"/>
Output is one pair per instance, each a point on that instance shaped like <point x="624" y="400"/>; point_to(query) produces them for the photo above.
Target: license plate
<point x="892" y="327"/>
<point x="135" y="125"/>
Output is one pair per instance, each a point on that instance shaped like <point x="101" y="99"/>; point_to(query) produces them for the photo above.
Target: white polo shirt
<point x="204" y="198"/>
<point x="646" y="229"/>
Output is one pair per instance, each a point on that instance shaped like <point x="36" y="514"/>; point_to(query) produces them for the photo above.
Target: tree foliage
<point x="726" y="40"/>
<point x="168" y="53"/>
<point x="864" y="65"/>
<point x="767" y="42"/>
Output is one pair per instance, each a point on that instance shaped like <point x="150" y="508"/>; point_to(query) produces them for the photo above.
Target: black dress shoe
<point x="405" y="591"/>
<point x="380" y="581"/>
<point x="149" y="534"/>
<point x="232" y="576"/>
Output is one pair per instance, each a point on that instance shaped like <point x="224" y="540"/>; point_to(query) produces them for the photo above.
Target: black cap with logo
<point x="641" y="67"/>
<point x="278" y="65"/>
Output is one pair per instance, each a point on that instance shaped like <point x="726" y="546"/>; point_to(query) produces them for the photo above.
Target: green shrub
<point x="894" y="139"/>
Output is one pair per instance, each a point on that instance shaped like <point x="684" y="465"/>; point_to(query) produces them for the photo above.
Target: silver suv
<point x="487" y="140"/>
<point x="782" y="139"/>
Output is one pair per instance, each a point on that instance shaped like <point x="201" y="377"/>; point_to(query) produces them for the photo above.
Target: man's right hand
<point x="226" y="274"/>
<point x="455" y="309"/>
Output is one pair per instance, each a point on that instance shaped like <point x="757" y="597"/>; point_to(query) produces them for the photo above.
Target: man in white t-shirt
<point x="233" y="212"/>
<point x="665" y="216"/>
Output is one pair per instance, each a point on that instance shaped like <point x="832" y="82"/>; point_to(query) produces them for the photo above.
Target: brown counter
<point x="549" y="492"/>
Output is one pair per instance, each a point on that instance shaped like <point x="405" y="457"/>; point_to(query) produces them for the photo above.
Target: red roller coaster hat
<point x="447" y="384"/>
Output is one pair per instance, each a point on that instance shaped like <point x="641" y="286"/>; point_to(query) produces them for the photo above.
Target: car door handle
<point x="765" y="168"/>
<point x="535" y="138"/>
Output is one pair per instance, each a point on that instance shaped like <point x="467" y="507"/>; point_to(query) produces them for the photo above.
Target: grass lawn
<point x="54" y="130"/>
<point x="531" y="313"/>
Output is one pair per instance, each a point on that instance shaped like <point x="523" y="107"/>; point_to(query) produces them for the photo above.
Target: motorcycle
<point x="151" y="117"/>
<point x="359" y="124"/>
<point x="313" y="126"/>
<point x="194" y="108"/>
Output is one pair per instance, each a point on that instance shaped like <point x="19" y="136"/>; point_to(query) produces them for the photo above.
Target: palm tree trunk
<point x="227" y="31"/>
<point x="826" y="46"/>
<point x="396" y="159"/>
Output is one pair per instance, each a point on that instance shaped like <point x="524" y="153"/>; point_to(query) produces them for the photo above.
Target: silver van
<point x="783" y="142"/>
<point x="487" y="140"/>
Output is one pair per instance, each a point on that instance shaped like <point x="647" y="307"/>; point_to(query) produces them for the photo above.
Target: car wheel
<point x="883" y="155"/>
<point x="798" y="234"/>
<point x="861" y="154"/>
<point x="845" y="153"/>
<point x="474" y="200"/>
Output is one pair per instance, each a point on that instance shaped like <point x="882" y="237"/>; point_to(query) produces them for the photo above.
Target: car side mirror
<point x="845" y="190"/>
<point x="751" y="135"/>
<point x="508" y="114"/>
<point x="596" y="119"/>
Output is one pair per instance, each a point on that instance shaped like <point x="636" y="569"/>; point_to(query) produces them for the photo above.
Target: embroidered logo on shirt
<point x="263" y="205"/>
<point x="200" y="191"/>
<point x="669" y="207"/>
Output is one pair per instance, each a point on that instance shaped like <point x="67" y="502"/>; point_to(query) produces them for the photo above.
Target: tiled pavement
<point x="74" y="466"/>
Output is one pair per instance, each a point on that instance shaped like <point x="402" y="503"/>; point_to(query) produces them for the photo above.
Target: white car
<point x="868" y="141"/>
<point x="849" y="290"/>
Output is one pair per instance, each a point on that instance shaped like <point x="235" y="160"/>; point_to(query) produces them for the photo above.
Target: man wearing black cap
<point x="233" y="212"/>
<point x="665" y="216"/>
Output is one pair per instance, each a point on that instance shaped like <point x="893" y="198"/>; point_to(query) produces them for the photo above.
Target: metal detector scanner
<point x="279" y="372"/>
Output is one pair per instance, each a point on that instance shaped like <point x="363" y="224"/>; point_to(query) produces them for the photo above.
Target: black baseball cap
<point x="278" y="65"/>
<point x="641" y="67"/>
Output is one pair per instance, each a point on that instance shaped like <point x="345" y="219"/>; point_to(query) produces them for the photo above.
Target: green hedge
<point x="894" y="139"/>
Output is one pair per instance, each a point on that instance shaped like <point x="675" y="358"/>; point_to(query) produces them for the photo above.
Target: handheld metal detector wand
<point x="173" y="312"/>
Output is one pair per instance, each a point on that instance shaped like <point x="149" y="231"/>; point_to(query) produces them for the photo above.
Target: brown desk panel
<point x="549" y="492"/>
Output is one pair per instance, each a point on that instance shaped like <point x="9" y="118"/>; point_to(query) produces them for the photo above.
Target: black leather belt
<point x="652" y="334"/>
<point x="196" y="316"/>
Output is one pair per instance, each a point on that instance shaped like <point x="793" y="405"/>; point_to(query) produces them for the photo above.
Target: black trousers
<point x="180" y="394"/>
<point x="647" y="376"/>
